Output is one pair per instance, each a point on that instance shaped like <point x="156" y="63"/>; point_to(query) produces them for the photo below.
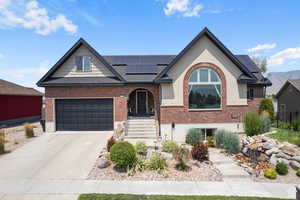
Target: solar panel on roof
<point x="141" y="69"/>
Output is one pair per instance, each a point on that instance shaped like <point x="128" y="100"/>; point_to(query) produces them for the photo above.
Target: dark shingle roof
<point x="248" y="62"/>
<point x="295" y="83"/>
<point x="9" y="88"/>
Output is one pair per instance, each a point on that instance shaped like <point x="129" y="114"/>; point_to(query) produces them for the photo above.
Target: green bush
<point x="220" y="138"/>
<point x="267" y="106"/>
<point x="193" y="136"/>
<point x="232" y="143"/>
<point x="138" y="166"/>
<point x="298" y="172"/>
<point x="284" y="125"/>
<point x="157" y="162"/>
<point x="141" y="147"/>
<point x="169" y="146"/>
<point x="2" y="142"/>
<point x="110" y="142"/>
<point x="123" y="154"/>
<point x="282" y="169"/>
<point x="265" y="124"/>
<point x="210" y="141"/>
<point x="270" y="173"/>
<point x="181" y="154"/>
<point x="182" y="166"/>
<point x="29" y="132"/>
<point x="200" y="151"/>
<point x="296" y="124"/>
<point x="228" y="140"/>
<point x="252" y="123"/>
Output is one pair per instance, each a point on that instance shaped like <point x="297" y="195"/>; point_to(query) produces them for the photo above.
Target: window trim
<point x="82" y="63"/>
<point x="205" y="83"/>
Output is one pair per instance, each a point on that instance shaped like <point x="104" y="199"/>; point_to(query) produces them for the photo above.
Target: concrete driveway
<point x="64" y="155"/>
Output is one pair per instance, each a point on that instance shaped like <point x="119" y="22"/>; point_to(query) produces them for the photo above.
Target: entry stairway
<point x="141" y="128"/>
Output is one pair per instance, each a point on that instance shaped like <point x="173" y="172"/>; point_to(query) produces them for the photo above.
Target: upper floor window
<point x="83" y="63"/>
<point x="204" y="89"/>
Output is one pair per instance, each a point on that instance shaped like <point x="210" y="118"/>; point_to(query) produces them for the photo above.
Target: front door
<point x="141" y="102"/>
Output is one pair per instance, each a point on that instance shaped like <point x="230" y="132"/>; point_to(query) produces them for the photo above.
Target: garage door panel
<point x="84" y="114"/>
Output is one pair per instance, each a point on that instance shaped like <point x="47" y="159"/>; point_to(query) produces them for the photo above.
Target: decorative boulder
<point x="103" y="163"/>
<point x="295" y="165"/>
<point x="274" y="150"/>
<point x="269" y="144"/>
<point x="166" y="155"/>
<point x="289" y="150"/>
<point x="296" y="158"/>
<point x="263" y="158"/>
<point x="149" y="153"/>
<point x="273" y="159"/>
<point x="282" y="160"/>
<point x="245" y="151"/>
<point x="283" y="155"/>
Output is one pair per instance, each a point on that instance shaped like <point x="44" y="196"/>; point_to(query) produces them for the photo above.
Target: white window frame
<point x="205" y="83"/>
<point x="82" y="63"/>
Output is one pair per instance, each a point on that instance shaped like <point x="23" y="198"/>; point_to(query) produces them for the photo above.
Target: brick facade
<point x="120" y="95"/>
<point x="227" y="114"/>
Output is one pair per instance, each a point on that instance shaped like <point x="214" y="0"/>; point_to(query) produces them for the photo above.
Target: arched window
<point x="204" y="89"/>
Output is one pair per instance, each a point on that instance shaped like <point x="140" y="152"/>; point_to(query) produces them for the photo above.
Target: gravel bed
<point x="204" y="171"/>
<point x="15" y="136"/>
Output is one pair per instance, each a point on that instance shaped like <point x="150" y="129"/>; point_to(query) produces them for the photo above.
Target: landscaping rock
<point x="249" y="170"/>
<point x="269" y="144"/>
<point x="274" y="150"/>
<point x="296" y="158"/>
<point x="283" y="155"/>
<point x="166" y="155"/>
<point x="295" y="165"/>
<point x="282" y="160"/>
<point x="103" y="163"/>
<point x="149" y="153"/>
<point x="263" y="158"/>
<point x="245" y="151"/>
<point x="273" y="159"/>
<point x="288" y="149"/>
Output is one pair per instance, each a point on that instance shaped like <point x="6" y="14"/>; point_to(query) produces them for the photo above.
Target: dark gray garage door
<point x="84" y="114"/>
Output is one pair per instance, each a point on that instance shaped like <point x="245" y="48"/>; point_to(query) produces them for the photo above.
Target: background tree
<point x="262" y="63"/>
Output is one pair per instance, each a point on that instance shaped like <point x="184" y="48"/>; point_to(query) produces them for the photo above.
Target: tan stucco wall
<point x="203" y="51"/>
<point x="68" y="69"/>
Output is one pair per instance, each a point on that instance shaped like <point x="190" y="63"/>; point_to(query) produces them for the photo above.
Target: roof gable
<point x="70" y="52"/>
<point x="294" y="83"/>
<point x="219" y="44"/>
<point x="9" y="88"/>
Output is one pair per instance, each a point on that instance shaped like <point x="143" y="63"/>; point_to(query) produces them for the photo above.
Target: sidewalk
<point x="70" y="189"/>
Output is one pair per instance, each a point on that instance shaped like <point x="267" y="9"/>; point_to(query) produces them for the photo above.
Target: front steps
<point x="141" y="128"/>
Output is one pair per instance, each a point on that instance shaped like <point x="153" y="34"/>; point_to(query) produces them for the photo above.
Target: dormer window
<point x="83" y="63"/>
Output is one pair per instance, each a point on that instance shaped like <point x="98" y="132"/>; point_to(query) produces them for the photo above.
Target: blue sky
<point x="36" y="33"/>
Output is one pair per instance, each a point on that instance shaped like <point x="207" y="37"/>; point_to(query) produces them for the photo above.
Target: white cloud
<point x="284" y="55"/>
<point x="185" y="7"/>
<point x="33" y="17"/>
<point x="260" y="47"/>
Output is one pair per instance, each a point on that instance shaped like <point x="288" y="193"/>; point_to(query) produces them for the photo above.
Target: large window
<point x="83" y="63"/>
<point x="204" y="89"/>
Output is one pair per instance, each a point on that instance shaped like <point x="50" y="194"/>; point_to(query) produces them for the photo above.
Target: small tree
<point x="262" y="63"/>
<point x="266" y="105"/>
<point x="252" y="124"/>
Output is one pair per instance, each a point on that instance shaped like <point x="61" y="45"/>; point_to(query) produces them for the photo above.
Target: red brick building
<point x="19" y="104"/>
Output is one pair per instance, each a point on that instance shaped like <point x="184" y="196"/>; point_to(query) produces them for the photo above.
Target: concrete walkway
<point x="70" y="189"/>
<point x="230" y="170"/>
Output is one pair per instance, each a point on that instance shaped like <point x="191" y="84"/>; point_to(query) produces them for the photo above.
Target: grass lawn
<point x="284" y="135"/>
<point x="161" y="197"/>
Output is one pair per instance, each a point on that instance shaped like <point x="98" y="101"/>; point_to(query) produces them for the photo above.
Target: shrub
<point x="298" y="172"/>
<point x="232" y="143"/>
<point x="200" y="151"/>
<point x="284" y="125"/>
<point x="265" y="124"/>
<point x="181" y="154"/>
<point x="267" y="106"/>
<point x="252" y="123"/>
<point x="182" y="166"/>
<point x="110" y="142"/>
<point x="220" y="138"/>
<point x="169" y="146"/>
<point x="141" y="147"/>
<point x="296" y="124"/>
<point x="282" y="168"/>
<point x="210" y="141"/>
<point x="157" y="162"/>
<point x="2" y="142"/>
<point x="28" y="130"/>
<point x="193" y="136"/>
<point x="123" y="154"/>
<point x="139" y="165"/>
<point x="270" y="173"/>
